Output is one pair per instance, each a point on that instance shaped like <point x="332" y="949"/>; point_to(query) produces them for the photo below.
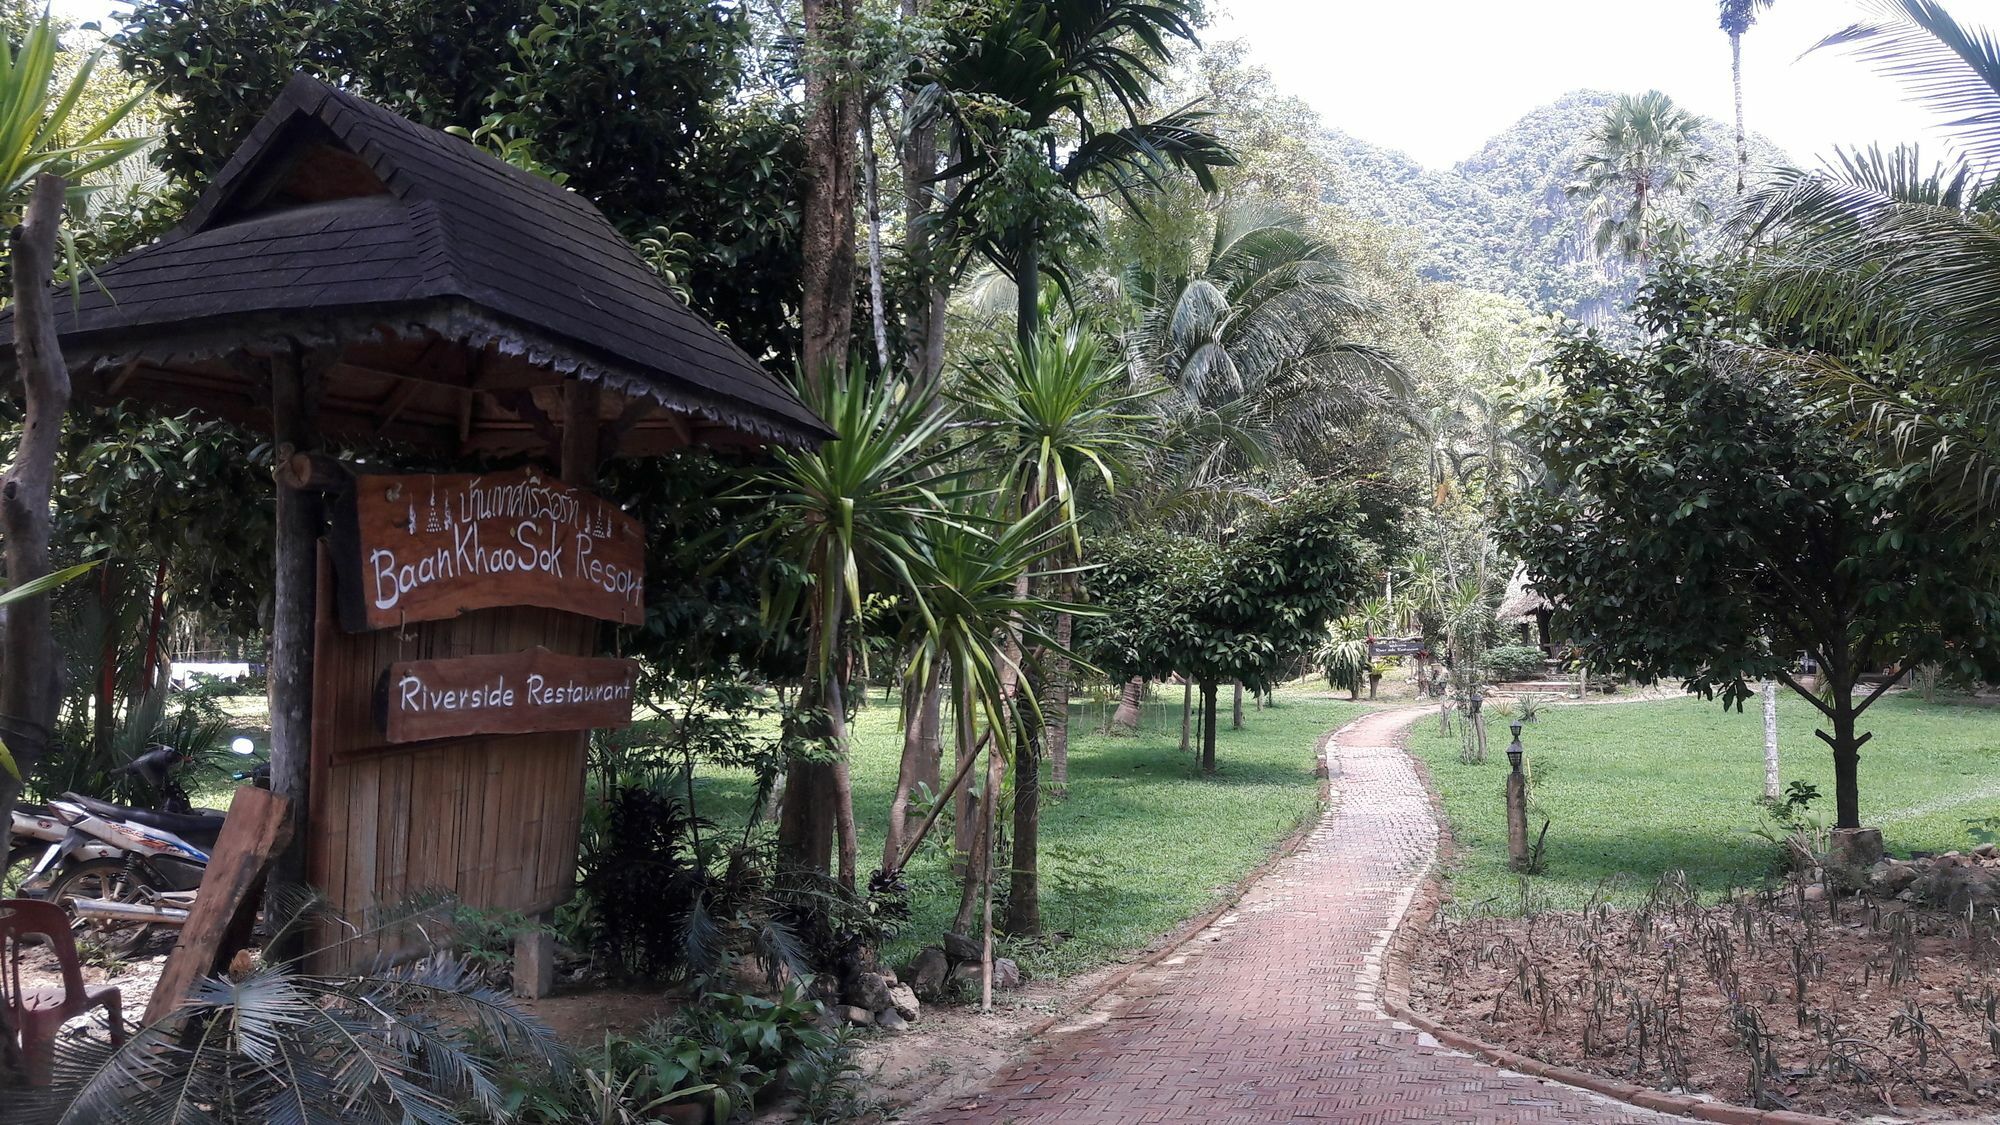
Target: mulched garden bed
<point x="1780" y="999"/>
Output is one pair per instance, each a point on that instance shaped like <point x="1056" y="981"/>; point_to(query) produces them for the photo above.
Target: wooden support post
<point x="294" y="379"/>
<point x="257" y="831"/>
<point x="1517" y="811"/>
<point x="534" y="964"/>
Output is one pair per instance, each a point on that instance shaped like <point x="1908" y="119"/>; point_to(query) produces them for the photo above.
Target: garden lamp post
<point x="1517" y="803"/>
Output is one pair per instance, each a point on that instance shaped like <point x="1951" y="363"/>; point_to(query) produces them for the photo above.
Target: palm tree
<point x="854" y="510"/>
<point x="1053" y="411"/>
<point x="1738" y="16"/>
<point x="1645" y="150"/>
<point x="1022" y="89"/>
<point x="1253" y="341"/>
<point x="1906" y="253"/>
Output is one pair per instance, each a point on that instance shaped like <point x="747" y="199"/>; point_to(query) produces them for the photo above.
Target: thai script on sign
<point x="435" y="546"/>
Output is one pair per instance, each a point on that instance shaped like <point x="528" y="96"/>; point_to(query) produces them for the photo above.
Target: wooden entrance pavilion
<point x="353" y="280"/>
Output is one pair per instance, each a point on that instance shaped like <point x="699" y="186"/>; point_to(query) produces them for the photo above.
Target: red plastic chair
<point x="40" y="1012"/>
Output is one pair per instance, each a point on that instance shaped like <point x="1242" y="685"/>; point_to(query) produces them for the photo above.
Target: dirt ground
<point x="1853" y="1009"/>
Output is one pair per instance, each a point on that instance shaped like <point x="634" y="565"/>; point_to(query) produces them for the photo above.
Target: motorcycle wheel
<point x="106" y="879"/>
<point x="20" y="861"/>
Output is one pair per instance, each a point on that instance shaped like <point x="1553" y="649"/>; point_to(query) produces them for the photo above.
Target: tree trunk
<point x="1771" y="739"/>
<point x="31" y="685"/>
<point x="930" y="720"/>
<point x="1736" y="84"/>
<point x="150" y="659"/>
<point x="103" y="727"/>
<point x="979" y="872"/>
<point x="1187" y="710"/>
<point x="1055" y="706"/>
<point x="924" y="324"/>
<point x="843" y="786"/>
<point x="1028" y="291"/>
<point x="965" y="806"/>
<point x="826" y="221"/>
<point x="806" y="816"/>
<point x="1236" y="708"/>
<point x="1024" y="909"/>
<point x="1208" y="726"/>
<point x="876" y="313"/>
<point x="1127" y="715"/>
<point x="1846" y="752"/>
<point x="911" y="769"/>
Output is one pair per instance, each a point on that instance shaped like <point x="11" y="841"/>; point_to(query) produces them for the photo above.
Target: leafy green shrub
<point x="728" y="1050"/>
<point x="1515" y="662"/>
<point x="641" y="881"/>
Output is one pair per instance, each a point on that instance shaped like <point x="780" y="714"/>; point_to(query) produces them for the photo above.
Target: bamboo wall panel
<point x="492" y="819"/>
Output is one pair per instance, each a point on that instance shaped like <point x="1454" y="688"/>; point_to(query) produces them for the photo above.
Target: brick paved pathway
<point x="1270" y="1014"/>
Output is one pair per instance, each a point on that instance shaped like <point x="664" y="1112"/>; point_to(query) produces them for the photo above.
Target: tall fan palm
<point x="1737" y="17"/>
<point x="1052" y="409"/>
<point x="849" y="514"/>
<point x="1022" y="87"/>
<point x="1645" y="151"/>
<point x="1907" y="253"/>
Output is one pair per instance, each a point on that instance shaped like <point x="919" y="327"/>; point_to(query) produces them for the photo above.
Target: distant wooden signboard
<point x="430" y="547"/>
<point x="1395" y="646"/>
<point x="506" y="693"/>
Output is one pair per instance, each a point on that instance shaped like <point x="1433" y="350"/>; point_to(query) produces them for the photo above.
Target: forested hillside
<point x="1500" y="220"/>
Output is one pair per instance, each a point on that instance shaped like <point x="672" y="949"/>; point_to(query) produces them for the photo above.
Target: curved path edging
<point x="1193" y="926"/>
<point x="1273" y="1012"/>
<point x="1426" y="895"/>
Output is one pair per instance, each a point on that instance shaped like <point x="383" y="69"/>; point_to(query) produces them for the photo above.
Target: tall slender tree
<point x="1737" y="17"/>
<point x="845" y="517"/>
<point x="817" y="803"/>
<point x="1056" y="413"/>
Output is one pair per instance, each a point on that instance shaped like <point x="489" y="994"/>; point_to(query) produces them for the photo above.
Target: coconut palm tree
<point x="1052" y="412"/>
<point x="1253" y="340"/>
<point x="1737" y="17"/>
<point x="1645" y="151"/>
<point x="1906" y="252"/>
<point x="1023" y="88"/>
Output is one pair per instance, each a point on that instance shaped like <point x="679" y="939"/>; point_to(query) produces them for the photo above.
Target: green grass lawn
<point x="1143" y="840"/>
<point x="1634" y="790"/>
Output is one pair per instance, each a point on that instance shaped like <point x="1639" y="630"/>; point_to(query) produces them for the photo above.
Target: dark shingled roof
<point x="334" y="206"/>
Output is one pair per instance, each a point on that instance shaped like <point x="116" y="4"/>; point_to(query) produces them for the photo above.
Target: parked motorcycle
<point x="120" y="870"/>
<point x="154" y="866"/>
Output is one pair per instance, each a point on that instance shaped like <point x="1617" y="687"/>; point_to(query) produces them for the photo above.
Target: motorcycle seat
<point x="195" y="828"/>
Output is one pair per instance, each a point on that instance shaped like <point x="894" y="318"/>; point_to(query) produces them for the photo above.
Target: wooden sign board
<point x="506" y="693"/>
<point x="430" y="547"/>
<point x="1395" y="646"/>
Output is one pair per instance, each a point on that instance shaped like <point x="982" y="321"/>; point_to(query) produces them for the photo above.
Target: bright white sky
<point x="1435" y="78"/>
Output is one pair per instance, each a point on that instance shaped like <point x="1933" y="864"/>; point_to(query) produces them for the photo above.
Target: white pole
<point x="1771" y="739"/>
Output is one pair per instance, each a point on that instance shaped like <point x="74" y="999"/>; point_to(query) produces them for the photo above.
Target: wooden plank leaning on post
<point x="259" y="826"/>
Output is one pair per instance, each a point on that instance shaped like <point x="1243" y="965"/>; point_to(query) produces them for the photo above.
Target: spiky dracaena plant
<point x="279" y="1046"/>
